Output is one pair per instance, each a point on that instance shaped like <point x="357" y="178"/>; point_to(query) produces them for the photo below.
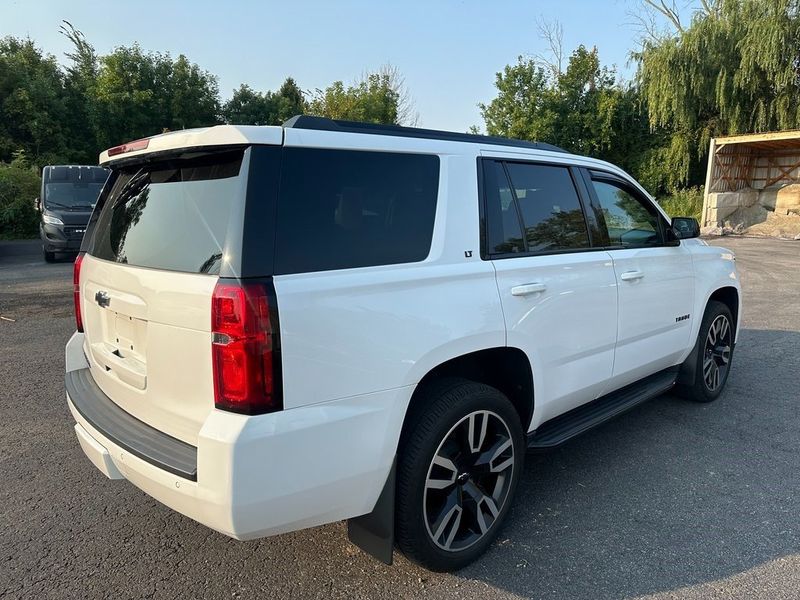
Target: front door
<point x="655" y="281"/>
<point x="557" y="291"/>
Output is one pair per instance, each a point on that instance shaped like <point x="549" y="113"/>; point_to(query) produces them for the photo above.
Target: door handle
<point x="631" y="275"/>
<point x="528" y="288"/>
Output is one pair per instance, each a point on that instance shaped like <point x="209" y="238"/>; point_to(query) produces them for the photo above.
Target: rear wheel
<point x="714" y="354"/>
<point x="458" y="467"/>
<point x="48" y="256"/>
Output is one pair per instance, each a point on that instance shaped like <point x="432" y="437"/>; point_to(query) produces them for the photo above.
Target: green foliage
<point x="32" y="103"/>
<point x="687" y="202"/>
<point x="19" y="185"/>
<point x="138" y="94"/>
<point x="70" y="115"/>
<point x="582" y="109"/>
<point x="79" y="78"/>
<point x="733" y="70"/>
<point x="247" y="107"/>
<point x="373" y="99"/>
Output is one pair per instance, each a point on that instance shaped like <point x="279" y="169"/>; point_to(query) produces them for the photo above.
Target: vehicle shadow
<point x="670" y="495"/>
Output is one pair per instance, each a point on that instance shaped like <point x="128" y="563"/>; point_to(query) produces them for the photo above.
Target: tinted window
<point x="504" y="229"/>
<point x="170" y="216"/>
<point x="631" y="221"/>
<point x="551" y="211"/>
<point x="339" y="209"/>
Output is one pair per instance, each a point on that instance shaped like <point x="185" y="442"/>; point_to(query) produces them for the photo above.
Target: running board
<point x="564" y="427"/>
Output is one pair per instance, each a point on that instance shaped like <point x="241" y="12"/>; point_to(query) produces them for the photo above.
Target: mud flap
<point x="374" y="532"/>
<point x="687" y="373"/>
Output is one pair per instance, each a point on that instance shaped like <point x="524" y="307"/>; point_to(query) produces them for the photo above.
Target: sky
<point x="448" y="50"/>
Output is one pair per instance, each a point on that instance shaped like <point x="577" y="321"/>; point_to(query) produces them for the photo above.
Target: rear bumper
<point x="127" y="432"/>
<point x="269" y="474"/>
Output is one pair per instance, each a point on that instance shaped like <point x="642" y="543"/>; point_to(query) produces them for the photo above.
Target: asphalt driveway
<point x="672" y="500"/>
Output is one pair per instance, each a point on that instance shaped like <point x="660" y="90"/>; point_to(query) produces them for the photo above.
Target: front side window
<point x="632" y="222"/>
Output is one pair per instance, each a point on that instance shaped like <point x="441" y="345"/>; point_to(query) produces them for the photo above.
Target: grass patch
<point x="684" y="203"/>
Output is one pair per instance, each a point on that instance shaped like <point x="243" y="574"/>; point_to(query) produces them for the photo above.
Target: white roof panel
<point x="219" y="135"/>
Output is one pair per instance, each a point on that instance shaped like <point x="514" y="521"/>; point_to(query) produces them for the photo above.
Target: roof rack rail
<point x="325" y="124"/>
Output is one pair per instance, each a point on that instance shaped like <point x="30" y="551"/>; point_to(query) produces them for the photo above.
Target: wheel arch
<point x="505" y="368"/>
<point x="729" y="296"/>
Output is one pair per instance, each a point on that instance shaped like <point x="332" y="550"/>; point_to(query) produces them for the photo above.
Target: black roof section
<point x="325" y="124"/>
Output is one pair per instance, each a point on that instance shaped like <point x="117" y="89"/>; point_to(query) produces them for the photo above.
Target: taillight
<point x="76" y="291"/>
<point x="245" y="348"/>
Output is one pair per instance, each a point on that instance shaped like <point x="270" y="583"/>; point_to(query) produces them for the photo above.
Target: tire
<point x="449" y="512"/>
<point x="49" y="257"/>
<point x="713" y="356"/>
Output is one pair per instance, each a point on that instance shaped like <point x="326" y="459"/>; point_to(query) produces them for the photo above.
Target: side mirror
<point x="685" y="227"/>
<point x="37" y="204"/>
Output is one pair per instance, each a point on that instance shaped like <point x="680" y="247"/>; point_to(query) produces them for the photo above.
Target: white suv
<point x="280" y="327"/>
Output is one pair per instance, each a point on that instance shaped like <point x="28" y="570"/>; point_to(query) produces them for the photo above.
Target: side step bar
<point x="564" y="427"/>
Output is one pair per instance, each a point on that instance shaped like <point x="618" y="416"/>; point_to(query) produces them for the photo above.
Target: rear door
<point x="655" y="280"/>
<point x="147" y="281"/>
<point x="557" y="290"/>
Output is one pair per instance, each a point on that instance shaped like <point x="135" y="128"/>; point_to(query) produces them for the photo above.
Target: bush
<point x="684" y="203"/>
<point x="19" y="186"/>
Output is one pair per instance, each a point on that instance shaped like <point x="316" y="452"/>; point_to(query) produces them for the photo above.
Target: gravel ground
<point x="672" y="500"/>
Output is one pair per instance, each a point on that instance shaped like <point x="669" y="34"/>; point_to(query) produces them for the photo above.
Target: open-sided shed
<point x="753" y="183"/>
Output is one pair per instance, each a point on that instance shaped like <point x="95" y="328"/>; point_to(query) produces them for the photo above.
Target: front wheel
<point x="48" y="256"/>
<point x="458" y="467"/>
<point x="714" y="354"/>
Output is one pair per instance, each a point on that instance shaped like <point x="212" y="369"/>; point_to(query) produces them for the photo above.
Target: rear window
<point x="171" y="215"/>
<point x="339" y="209"/>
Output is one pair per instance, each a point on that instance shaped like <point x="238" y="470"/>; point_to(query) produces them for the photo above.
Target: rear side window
<point x="551" y="210"/>
<point x="532" y="208"/>
<point x="171" y="215"/>
<point x="504" y="229"/>
<point x="340" y="209"/>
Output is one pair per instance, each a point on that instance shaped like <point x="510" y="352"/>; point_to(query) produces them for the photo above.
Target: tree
<point x="581" y="108"/>
<point x="378" y="97"/>
<point x="19" y="185"/>
<point x="79" y="81"/>
<point x="32" y="103"/>
<point x="193" y="96"/>
<point x="247" y="107"/>
<point x="734" y="69"/>
<point x="138" y="94"/>
<point x="289" y="100"/>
